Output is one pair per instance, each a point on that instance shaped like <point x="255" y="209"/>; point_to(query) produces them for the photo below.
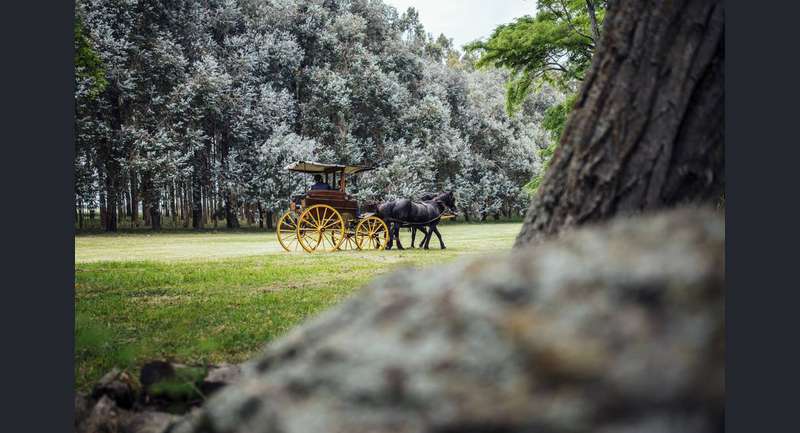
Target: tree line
<point x="188" y="111"/>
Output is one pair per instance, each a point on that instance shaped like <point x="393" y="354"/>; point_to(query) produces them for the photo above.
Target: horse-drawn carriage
<point x="330" y="220"/>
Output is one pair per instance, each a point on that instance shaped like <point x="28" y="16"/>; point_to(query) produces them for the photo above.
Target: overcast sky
<point x="465" y="20"/>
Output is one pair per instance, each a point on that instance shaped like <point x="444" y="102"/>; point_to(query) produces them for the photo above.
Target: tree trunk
<point x="152" y="198"/>
<point x="249" y="215"/>
<point x="173" y="201"/>
<point x="186" y="201"/>
<point x="80" y="215"/>
<point x="121" y="206"/>
<point x="646" y="131"/>
<point x="155" y="218"/>
<point x="197" y="203"/>
<point x="231" y="221"/>
<point x="111" y="201"/>
<point x="144" y="191"/>
<point x="102" y="208"/>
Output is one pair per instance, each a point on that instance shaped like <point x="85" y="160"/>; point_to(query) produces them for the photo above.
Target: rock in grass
<point x="611" y="329"/>
<point x="220" y="376"/>
<point x="83" y="408"/>
<point x="168" y="389"/>
<point x="107" y="417"/>
<point x="119" y="386"/>
<point x="174" y="387"/>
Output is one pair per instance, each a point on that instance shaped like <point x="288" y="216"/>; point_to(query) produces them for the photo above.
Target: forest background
<point x="187" y="112"/>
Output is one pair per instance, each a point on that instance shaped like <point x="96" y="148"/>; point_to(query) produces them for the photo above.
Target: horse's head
<point x="448" y="199"/>
<point x="427" y="197"/>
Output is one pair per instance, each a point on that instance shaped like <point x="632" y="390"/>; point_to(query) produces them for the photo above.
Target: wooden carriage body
<point x="338" y="200"/>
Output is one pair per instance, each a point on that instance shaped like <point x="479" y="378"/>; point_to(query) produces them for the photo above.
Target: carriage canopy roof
<point x="318" y="167"/>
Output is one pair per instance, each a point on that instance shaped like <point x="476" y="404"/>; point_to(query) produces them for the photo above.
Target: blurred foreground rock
<point x="614" y="329"/>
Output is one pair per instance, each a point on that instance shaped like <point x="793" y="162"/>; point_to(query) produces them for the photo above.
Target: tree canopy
<point x="191" y="110"/>
<point x="554" y="46"/>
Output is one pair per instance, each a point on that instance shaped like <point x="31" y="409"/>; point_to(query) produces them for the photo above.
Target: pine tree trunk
<point x="231" y="220"/>
<point x="111" y="206"/>
<point x="249" y="215"/>
<point x="102" y="206"/>
<point x="206" y="212"/>
<point x="145" y="204"/>
<point x="197" y="203"/>
<point x="152" y="198"/>
<point x="646" y="131"/>
<point x="134" y="200"/>
<point x="174" y="203"/>
<point x="121" y="210"/>
<point x="186" y="201"/>
<point x="155" y="218"/>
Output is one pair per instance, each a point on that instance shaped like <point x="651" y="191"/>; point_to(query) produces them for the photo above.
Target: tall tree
<point x="555" y="46"/>
<point x="647" y="128"/>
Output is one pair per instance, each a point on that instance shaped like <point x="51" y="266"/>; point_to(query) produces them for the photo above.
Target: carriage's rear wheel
<point x="372" y="233"/>
<point x="287" y="232"/>
<point x="320" y="227"/>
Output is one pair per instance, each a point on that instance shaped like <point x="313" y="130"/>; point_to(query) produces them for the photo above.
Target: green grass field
<point x="213" y="297"/>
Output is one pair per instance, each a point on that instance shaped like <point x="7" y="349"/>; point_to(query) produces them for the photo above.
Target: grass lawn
<point x="214" y="297"/>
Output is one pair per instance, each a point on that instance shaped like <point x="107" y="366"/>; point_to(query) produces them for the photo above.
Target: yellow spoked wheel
<point x="287" y="232"/>
<point x="372" y="234"/>
<point x="320" y="227"/>
<point x="349" y="242"/>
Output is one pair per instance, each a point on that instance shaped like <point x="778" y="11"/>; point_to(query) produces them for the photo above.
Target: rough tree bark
<point x="646" y="131"/>
<point x="152" y="196"/>
<point x="197" y="203"/>
<point x="111" y="201"/>
<point x="134" y="199"/>
<point x="231" y="220"/>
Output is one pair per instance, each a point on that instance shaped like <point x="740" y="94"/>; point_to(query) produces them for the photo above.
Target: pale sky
<point x="465" y="20"/>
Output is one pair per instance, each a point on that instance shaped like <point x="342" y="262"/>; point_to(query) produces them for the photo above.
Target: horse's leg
<point x="427" y="240"/>
<point x="438" y="235"/>
<point x="413" y="235"/>
<point x="397" y="236"/>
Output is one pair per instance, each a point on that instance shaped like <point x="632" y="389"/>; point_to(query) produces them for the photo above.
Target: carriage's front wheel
<point x="320" y="227"/>
<point x="372" y="233"/>
<point x="287" y="232"/>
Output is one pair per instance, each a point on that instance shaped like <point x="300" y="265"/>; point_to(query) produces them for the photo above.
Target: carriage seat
<point x="321" y="193"/>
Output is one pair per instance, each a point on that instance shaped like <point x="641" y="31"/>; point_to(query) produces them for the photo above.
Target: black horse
<point x="424" y="197"/>
<point x="427" y="213"/>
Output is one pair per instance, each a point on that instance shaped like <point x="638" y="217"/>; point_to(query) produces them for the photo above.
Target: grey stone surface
<point x="119" y="386"/>
<point x="614" y="329"/>
<point x="107" y="417"/>
<point x="219" y="376"/>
